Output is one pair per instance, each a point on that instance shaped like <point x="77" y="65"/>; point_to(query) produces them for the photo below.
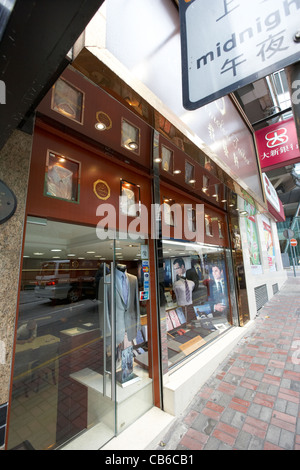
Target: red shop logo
<point x="277" y="137"/>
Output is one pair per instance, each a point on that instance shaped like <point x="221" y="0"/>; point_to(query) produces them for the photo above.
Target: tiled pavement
<point x="252" y="401"/>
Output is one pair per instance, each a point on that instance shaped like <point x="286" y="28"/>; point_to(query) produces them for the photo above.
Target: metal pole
<point x="292" y="257"/>
<point x="295" y="258"/>
<point x="113" y="332"/>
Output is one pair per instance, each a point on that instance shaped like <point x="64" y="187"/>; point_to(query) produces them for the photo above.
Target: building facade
<point x="143" y="256"/>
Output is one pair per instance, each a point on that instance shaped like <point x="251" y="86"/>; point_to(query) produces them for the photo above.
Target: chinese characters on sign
<point x="227" y="44"/>
<point x="229" y="138"/>
<point x="277" y="144"/>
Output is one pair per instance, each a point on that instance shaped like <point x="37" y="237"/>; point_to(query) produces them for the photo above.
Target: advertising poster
<point x="269" y="244"/>
<point x="252" y="240"/>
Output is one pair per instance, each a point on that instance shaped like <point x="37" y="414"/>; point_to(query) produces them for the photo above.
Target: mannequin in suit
<point x="127" y="305"/>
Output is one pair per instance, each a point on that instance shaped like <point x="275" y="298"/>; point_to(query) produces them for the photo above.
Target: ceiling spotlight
<point x="157" y="160"/>
<point x="177" y="172"/>
<point x="192" y="181"/>
<point x="132" y="145"/>
<point x="100" y="126"/>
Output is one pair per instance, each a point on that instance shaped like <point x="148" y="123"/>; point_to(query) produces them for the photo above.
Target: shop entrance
<point x="81" y="372"/>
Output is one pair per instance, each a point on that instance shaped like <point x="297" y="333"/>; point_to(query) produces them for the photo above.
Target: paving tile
<point x="252" y="401"/>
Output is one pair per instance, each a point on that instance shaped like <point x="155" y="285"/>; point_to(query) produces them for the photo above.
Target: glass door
<point x="63" y="391"/>
<point x="82" y="369"/>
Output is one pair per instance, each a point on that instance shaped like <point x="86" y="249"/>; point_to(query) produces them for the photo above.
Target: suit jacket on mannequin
<point x="127" y="315"/>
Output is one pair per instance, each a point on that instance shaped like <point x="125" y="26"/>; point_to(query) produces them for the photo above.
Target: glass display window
<point x="196" y="298"/>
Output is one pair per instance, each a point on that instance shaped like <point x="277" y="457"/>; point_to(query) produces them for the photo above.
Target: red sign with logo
<point x="293" y="242"/>
<point x="277" y="145"/>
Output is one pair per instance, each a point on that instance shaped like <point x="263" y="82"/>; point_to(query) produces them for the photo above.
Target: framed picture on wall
<point x="62" y="177"/>
<point x="189" y="173"/>
<point x="167" y="159"/>
<point x="130" y="136"/>
<point x="208" y="225"/>
<point x="68" y="100"/>
<point x="130" y="198"/>
<point x="168" y="215"/>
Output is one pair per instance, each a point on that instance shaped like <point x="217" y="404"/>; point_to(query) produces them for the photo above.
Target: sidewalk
<point x="252" y="401"/>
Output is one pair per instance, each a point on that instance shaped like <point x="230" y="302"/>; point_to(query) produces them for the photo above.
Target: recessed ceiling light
<point x="91" y="252"/>
<point x="71" y="254"/>
<point x="192" y="181"/>
<point x="100" y="126"/>
<point x="177" y="172"/>
<point x="157" y="160"/>
<point x="38" y="254"/>
<point x="55" y="257"/>
<point x="133" y="145"/>
<point x="55" y="249"/>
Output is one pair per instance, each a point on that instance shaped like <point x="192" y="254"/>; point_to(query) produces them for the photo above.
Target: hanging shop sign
<point x="274" y="204"/>
<point x="227" y="44"/>
<point x="277" y="145"/>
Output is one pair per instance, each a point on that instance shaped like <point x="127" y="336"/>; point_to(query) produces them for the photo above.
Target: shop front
<point x="127" y="272"/>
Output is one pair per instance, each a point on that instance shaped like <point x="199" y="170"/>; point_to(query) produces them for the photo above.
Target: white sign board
<point x="271" y="193"/>
<point x="227" y="44"/>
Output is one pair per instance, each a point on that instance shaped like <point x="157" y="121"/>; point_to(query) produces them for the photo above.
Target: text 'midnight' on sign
<point x="227" y="44"/>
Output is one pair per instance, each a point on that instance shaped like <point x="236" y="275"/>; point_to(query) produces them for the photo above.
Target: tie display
<point x="187" y="292"/>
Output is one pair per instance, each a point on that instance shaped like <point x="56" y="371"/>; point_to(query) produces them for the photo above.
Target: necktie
<point x="220" y="287"/>
<point x="124" y="289"/>
<point x="187" y="292"/>
<point x="199" y="273"/>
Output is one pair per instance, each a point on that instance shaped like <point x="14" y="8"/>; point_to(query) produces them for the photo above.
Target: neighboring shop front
<point x="263" y="268"/>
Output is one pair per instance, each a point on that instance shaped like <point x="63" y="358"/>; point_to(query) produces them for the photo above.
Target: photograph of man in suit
<point x="183" y="287"/>
<point x="218" y="291"/>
